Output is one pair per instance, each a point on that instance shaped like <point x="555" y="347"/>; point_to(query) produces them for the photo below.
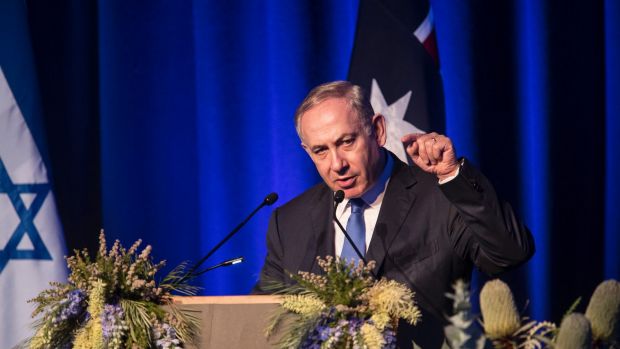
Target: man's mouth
<point x="346" y="182"/>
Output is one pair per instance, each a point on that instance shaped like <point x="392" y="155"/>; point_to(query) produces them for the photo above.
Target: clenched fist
<point x="433" y="153"/>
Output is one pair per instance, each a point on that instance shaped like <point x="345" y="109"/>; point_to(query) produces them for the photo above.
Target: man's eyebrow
<point x="346" y="135"/>
<point x="339" y="140"/>
<point x="317" y="147"/>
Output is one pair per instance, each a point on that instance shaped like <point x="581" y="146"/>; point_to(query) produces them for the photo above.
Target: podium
<point x="232" y="322"/>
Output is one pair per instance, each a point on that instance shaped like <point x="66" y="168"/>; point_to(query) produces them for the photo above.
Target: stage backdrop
<point x="170" y="120"/>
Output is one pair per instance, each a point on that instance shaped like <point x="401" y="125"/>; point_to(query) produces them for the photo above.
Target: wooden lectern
<point x="232" y="322"/>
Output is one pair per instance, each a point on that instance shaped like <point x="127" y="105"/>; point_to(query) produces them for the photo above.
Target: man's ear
<point x="305" y="148"/>
<point x="378" y="127"/>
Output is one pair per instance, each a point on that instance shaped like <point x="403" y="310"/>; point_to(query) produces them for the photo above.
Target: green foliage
<point x="47" y="298"/>
<point x="126" y="273"/>
<point x="139" y="318"/>
<point x="572" y="308"/>
<point x="342" y="283"/>
<point x="294" y="326"/>
<point x="177" y="281"/>
<point x="464" y="331"/>
<point x="122" y="278"/>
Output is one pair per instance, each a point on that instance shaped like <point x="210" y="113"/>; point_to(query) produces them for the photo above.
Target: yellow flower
<point x="394" y="299"/>
<point x="41" y="339"/>
<point x="91" y="335"/>
<point x="372" y="336"/>
<point x="574" y="332"/>
<point x="604" y="310"/>
<point x="305" y="305"/>
<point x="499" y="311"/>
<point x="380" y="319"/>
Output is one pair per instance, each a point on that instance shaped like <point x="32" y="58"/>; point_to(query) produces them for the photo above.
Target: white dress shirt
<point x="373" y="199"/>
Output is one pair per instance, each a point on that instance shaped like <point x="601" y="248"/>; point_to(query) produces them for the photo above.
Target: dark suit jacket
<point x="426" y="236"/>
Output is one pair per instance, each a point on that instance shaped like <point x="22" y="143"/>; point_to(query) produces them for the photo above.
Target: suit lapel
<point x="321" y="242"/>
<point x="397" y="202"/>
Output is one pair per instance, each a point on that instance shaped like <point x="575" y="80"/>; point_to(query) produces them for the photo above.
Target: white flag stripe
<point x="18" y="150"/>
<point x="426" y="27"/>
<point x="23" y="279"/>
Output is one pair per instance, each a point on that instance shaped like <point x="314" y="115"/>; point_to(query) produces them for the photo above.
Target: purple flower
<point x="323" y="332"/>
<point x="72" y="306"/>
<point x="330" y="327"/>
<point x="111" y="321"/>
<point x="390" y="338"/>
<point x="166" y="337"/>
<point x="354" y="325"/>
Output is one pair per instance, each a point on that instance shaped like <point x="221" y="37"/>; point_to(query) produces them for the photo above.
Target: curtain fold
<point x="180" y="115"/>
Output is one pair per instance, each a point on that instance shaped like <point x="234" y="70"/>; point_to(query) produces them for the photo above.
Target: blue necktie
<point x="356" y="229"/>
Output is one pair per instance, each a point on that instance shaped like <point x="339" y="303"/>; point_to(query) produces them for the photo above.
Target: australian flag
<point x="395" y="59"/>
<point x="31" y="241"/>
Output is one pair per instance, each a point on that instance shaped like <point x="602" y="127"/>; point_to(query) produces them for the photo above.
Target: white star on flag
<point x="395" y="121"/>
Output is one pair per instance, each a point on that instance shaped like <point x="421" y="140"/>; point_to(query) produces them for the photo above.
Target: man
<point x="425" y="225"/>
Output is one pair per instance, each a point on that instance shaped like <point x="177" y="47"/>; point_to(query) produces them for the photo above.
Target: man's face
<point x="346" y="157"/>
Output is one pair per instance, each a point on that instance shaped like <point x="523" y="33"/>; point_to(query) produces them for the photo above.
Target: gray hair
<point x="354" y="94"/>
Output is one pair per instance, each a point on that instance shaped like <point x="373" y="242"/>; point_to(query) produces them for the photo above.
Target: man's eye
<point x="319" y="151"/>
<point x="348" y="141"/>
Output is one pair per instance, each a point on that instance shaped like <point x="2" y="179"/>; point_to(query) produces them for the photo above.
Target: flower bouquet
<point x="344" y="308"/>
<point x="113" y="301"/>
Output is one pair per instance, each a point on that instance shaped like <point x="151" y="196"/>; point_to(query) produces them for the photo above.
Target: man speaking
<point x="425" y="225"/>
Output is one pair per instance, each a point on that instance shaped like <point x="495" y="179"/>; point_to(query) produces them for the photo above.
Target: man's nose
<point x="338" y="162"/>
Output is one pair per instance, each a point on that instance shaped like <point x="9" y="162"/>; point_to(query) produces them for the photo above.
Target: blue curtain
<point x="171" y="120"/>
<point x="612" y="141"/>
<point x="196" y="119"/>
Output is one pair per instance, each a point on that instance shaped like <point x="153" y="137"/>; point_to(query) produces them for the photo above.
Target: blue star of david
<point x="26" y="219"/>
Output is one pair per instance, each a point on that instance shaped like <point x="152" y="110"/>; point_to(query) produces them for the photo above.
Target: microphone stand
<point x="338" y="197"/>
<point x="268" y="201"/>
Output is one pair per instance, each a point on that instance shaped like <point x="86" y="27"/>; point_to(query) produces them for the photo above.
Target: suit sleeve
<point x="483" y="229"/>
<point x="272" y="271"/>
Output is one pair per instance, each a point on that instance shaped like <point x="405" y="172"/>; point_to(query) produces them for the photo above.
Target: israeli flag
<point x="31" y="239"/>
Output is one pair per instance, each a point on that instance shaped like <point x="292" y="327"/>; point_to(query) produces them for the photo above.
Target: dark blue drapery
<point x="170" y="120"/>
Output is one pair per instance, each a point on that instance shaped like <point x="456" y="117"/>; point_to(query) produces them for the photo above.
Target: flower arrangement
<point x="504" y="328"/>
<point x="344" y="308"/>
<point x="114" y="302"/>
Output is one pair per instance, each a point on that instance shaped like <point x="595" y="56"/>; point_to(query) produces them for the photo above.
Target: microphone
<point x="338" y="197"/>
<point x="268" y="201"/>
<point x="223" y="264"/>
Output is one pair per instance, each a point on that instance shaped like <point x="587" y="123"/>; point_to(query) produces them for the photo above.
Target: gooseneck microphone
<point x="227" y="263"/>
<point x="268" y="201"/>
<point x="338" y="197"/>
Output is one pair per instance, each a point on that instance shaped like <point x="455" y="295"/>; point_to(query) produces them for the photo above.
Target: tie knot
<point x="357" y="205"/>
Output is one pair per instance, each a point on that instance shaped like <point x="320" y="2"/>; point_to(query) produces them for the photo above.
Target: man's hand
<point x="433" y="153"/>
